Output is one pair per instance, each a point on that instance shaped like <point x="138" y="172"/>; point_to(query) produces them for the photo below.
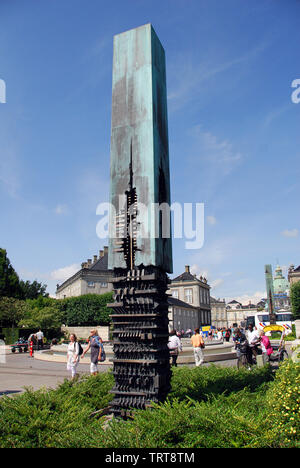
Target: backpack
<point x="103" y="354"/>
<point x="80" y="349"/>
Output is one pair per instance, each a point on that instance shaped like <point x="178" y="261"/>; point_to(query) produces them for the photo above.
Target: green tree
<point x="32" y="290"/>
<point x="46" y="318"/>
<point x="9" y="280"/>
<point x="295" y="299"/>
<point x="43" y="312"/>
<point x="87" y="310"/>
<point x="11" y="311"/>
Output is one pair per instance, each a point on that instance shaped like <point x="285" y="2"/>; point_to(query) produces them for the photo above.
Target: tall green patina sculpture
<point x="140" y="246"/>
<point x="270" y="293"/>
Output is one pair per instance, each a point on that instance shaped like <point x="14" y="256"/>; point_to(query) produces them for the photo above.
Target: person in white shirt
<point x="73" y="356"/>
<point x="40" y="338"/>
<point x="253" y="342"/>
<point x="174" y="346"/>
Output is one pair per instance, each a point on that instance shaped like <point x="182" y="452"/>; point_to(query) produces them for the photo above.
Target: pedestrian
<point x="32" y="340"/>
<point x="227" y="334"/>
<point x="40" y="338"/>
<point x="174" y="346"/>
<point x="265" y="345"/>
<point x="95" y="345"/>
<point x="73" y="355"/>
<point x="198" y="344"/>
<point x="220" y="335"/>
<point x="253" y="341"/>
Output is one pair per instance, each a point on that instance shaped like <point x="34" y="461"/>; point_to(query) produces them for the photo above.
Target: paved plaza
<point x="20" y="371"/>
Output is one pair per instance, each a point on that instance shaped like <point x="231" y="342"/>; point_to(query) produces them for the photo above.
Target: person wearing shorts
<point x="95" y="347"/>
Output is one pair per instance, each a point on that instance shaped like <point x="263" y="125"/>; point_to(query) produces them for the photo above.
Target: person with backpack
<point x="96" y="346"/>
<point x="74" y="352"/>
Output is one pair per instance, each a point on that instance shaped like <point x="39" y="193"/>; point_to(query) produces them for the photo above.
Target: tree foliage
<point x="11" y="311"/>
<point x="9" y="280"/>
<point x="87" y="310"/>
<point x="12" y="286"/>
<point x="295" y="299"/>
<point x="32" y="290"/>
<point x="44" y="313"/>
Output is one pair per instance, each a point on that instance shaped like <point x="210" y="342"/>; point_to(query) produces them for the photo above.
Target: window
<point x="91" y="284"/>
<point x="284" y="317"/>
<point x="103" y="284"/>
<point x="188" y="295"/>
<point x="263" y="318"/>
<point x="175" y="293"/>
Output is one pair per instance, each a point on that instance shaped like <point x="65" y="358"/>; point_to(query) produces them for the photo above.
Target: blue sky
<point x="233" y="131"/>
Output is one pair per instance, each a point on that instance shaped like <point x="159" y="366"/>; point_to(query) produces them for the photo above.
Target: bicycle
<point x="242" y="355"/>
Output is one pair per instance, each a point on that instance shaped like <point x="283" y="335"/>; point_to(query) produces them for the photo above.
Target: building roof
<point x="173" y="301"/>
<point x="186" y="276"/>
<point x="101" y="264"/>
<point x="218" y="301"/>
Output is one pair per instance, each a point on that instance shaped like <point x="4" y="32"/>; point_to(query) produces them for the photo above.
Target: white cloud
<point x="220" y="153"/>
<point x="211" y="220"/>
<point x="274" y="114"/>
<point x="290" y="233"/>
<point x="61" y="209"/>
<point x="196" y="270"/>
<point x="62" y="274"/>
<point x="191" y="72"/>
<point x="217" y="282"/>
<point x="246" y="298"/>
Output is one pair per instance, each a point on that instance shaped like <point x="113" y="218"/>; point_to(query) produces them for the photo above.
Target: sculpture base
<point x="140" y="337"/>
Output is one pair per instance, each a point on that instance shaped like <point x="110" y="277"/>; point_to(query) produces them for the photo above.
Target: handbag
<point x="103" y="354"/>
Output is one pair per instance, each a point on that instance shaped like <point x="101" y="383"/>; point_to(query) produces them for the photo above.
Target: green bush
<point x="221" y="422"/>
<point x="207" y="407"/>
<point x="55" y="418"/>
<point x="87" y="310"/>
<point x="11" y="335"/>
<point x="200" y="382"/>
<point x="283" y="400"/>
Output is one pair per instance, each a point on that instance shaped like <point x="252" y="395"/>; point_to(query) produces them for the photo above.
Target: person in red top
<point x="265" y="344"/>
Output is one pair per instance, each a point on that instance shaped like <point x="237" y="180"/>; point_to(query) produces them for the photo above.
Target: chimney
<point x="89" y="262"/>
<point x="101" y="253"/>
<point x="105" y="250"/>
<point x="187" y="268"/>
<point x="95" y="258"/>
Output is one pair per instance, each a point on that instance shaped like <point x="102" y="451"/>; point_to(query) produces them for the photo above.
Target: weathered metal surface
<point x="139" y="146"/>
<point x="141" y="356"/>
<point x="139" y="254"/>
<point x="270" y="293"/>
